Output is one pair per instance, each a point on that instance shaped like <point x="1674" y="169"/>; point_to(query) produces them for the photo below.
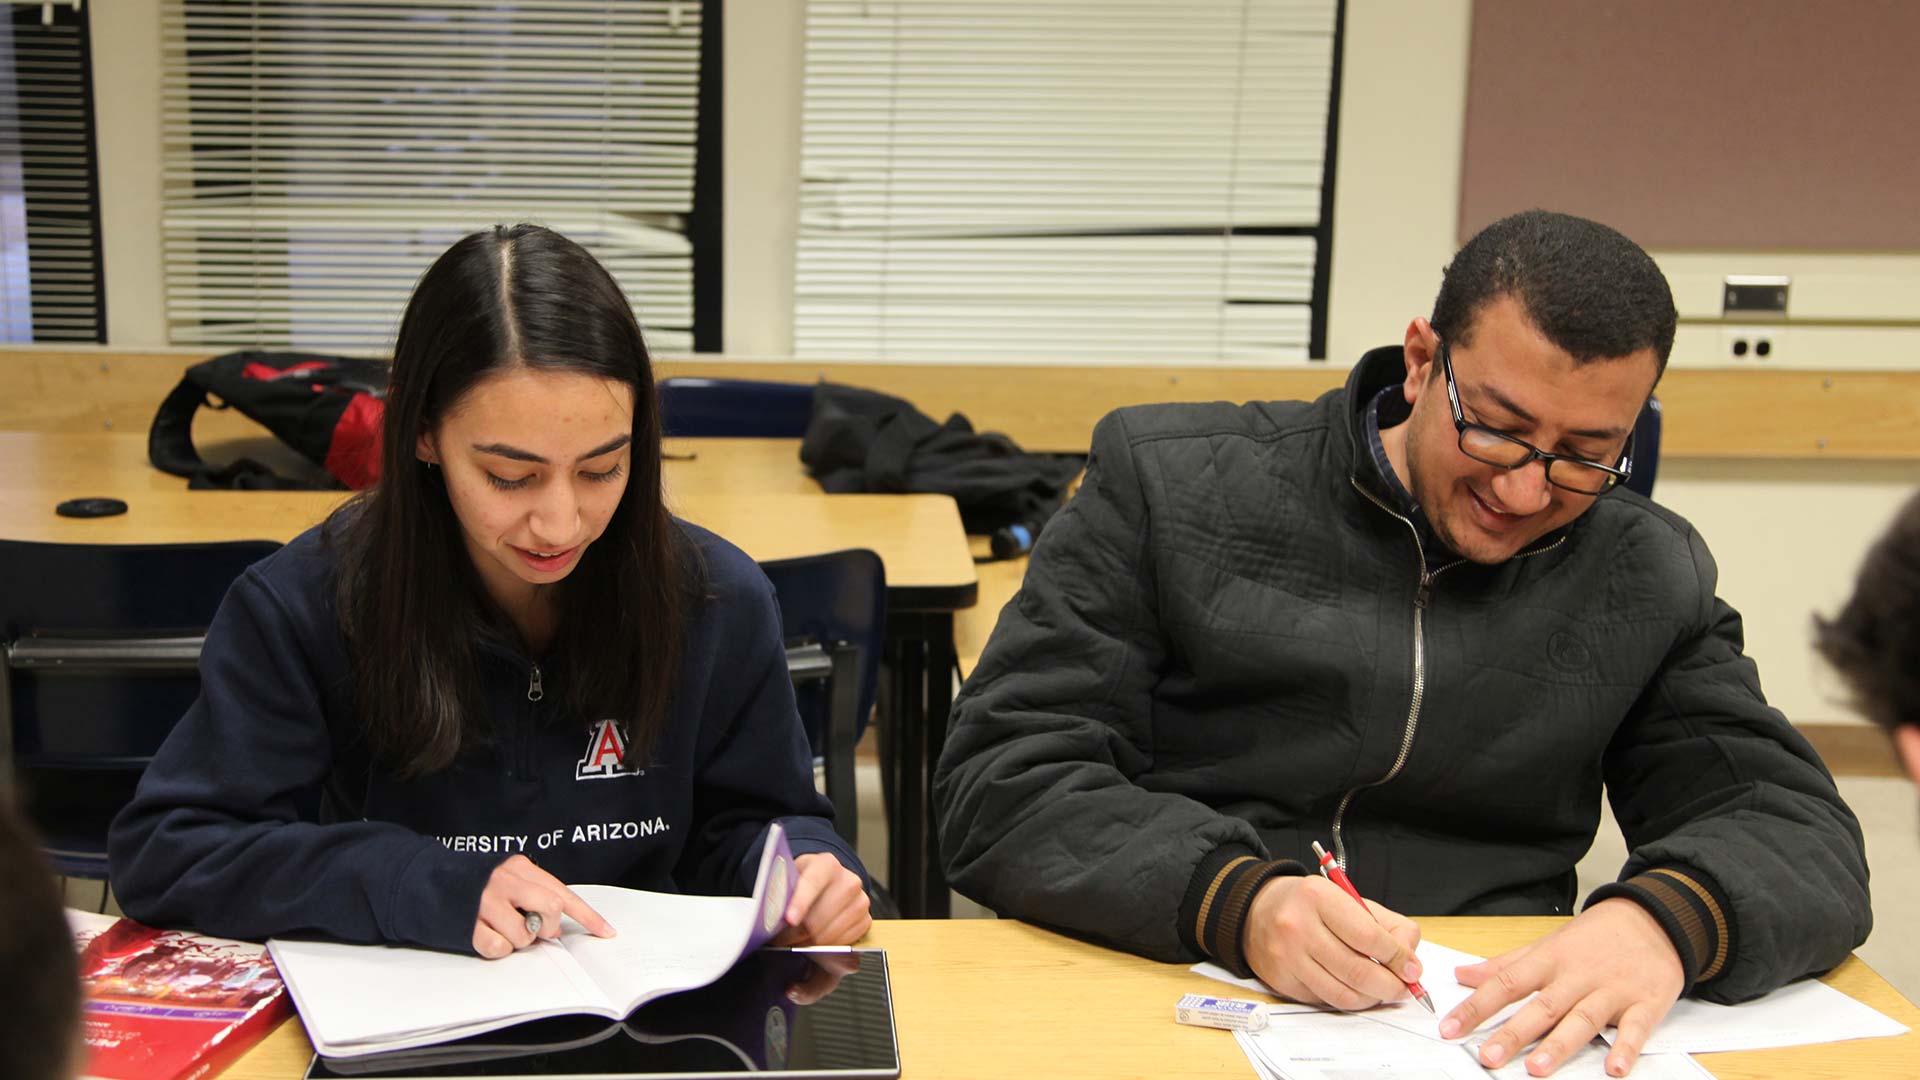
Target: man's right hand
<point x="1310" y="942"/>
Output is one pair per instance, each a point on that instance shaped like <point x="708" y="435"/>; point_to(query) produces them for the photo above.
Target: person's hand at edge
<point x="1612" y="965"/>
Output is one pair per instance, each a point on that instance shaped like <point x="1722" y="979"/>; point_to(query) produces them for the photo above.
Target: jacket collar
<point x="1377" y="370"/>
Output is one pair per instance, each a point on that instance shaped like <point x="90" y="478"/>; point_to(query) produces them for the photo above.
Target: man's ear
<point x="425" y="450"/>
<point x="1906" y="739"/>
<point x="1422" y="347"/>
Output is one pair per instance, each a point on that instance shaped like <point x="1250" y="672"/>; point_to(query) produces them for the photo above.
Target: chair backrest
<point x="1646" y="449"/>
<point x="734" y="408"/>
<point x="840" y="602"/>
<point x="100" y="645"/>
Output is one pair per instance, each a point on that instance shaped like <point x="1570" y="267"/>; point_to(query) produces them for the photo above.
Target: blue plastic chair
<point x="734" y="408"/>
<point x="1646" y="449"/>
<point x="833" y="614"/>
<point x="102" y="646"/>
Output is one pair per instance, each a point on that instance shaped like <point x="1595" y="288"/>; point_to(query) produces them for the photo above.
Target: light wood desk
<point x="770" y="466"/>
<point x="991" y="998"/>
<point x="752" y="492"/>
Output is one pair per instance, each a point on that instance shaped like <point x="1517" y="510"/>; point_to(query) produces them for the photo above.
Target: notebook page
<point x="669" y="942"/>
<point x="354" y="995"/>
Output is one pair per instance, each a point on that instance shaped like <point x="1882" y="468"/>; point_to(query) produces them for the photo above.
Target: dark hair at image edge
<point x="410" y="601"/>
<point x="1594" y="293"/>
<point x="40" y="990"/>
<point x="1874" y="643"/>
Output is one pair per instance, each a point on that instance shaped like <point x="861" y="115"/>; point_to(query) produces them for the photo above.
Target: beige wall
<point x="126" y="96"/>
<point x="762" y="56"/>
<point x="1787" y="535"/>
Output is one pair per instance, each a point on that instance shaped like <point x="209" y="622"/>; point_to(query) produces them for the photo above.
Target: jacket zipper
<point x="1419" y="677"/>
<point x="1420" y="598"/>
<point x="535" y="692"/>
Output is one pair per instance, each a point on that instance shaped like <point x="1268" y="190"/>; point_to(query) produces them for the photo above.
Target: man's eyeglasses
<point x="1492" y="447"/>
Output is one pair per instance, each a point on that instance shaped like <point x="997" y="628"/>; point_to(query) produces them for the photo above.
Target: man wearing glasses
<point x="1418" y="620"/>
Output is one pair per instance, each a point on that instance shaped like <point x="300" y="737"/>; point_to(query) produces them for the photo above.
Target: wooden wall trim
<point x="1710" y="413"/>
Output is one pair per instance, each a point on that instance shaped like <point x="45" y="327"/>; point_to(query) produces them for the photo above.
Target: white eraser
<point x="1231" y="1014"/>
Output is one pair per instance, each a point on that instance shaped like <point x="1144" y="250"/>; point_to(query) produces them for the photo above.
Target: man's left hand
<point x="1612" y="965"/>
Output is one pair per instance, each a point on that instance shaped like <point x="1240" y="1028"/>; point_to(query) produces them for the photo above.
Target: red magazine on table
<point x="170" y="1005"/>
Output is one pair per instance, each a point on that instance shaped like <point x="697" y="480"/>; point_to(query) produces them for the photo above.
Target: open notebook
<point x="364" y="999"/>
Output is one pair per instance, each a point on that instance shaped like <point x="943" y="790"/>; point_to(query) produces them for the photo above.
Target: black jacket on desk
<point x="264" y="814"/>
<point x="1224" y="650"/>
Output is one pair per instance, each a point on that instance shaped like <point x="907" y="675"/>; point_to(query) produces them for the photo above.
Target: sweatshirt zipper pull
<point x="534" y="693"/>
<point x="1420" y="597"/>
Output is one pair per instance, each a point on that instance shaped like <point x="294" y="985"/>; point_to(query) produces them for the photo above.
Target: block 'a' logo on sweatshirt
<point x="606" y="756"/>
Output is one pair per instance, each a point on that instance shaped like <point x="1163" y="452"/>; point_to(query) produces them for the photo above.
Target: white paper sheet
<point x="1437" y="963"/>
<point x="1343" y="1046"/>
<point x="1795" y="1015"/>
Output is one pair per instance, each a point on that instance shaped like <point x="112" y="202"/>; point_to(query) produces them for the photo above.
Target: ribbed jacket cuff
<point x="1213" y="914"/>
<point x="1690" y="907"/>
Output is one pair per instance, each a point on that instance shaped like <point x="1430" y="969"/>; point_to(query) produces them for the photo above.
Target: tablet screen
<point x="840" y="1026"/>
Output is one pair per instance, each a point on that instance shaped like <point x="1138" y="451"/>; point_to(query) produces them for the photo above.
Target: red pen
<point x="1339" y="877"/>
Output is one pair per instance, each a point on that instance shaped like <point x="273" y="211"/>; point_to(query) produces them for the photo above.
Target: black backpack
<point x="328" y="408"/>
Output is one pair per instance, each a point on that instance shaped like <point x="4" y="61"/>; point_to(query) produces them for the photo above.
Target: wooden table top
<point x="993" y="998"/>
<point x="918" y="537"/>
<point x="770" y="466"/>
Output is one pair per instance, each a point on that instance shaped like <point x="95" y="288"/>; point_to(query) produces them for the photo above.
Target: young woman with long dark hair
<point x="503" y="668"/>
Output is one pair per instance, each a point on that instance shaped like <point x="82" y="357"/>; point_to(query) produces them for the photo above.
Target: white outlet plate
<point x="1753" y="334"/>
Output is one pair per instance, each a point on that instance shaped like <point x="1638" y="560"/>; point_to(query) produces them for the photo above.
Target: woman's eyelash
<point x="606" y="477"/>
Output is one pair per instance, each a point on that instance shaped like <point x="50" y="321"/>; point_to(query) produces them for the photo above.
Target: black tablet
<point x="779" y="1012"/>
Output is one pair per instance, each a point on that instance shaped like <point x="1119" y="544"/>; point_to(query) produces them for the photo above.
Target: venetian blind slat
<point x="1081" y="180"/>
<point x="317" y="156"/>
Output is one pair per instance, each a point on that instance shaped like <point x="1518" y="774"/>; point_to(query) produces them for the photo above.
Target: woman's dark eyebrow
<point x="517" y="454"/>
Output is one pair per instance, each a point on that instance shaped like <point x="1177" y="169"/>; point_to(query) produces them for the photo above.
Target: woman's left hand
<point x="829" y="907"/>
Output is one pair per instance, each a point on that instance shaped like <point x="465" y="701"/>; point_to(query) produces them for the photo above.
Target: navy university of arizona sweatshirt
<point x="264" y="814"/>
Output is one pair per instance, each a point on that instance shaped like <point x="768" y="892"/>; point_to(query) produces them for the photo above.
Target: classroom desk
<point x="918" y="675"/>
<point x="993" y="998"/>
<point x="744" y="489"/>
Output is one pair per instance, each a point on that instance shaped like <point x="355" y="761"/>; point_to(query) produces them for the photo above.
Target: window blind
<point x="319" y="155"/>
<point x="49" y="204"/>
<point x="1096" y="180"/>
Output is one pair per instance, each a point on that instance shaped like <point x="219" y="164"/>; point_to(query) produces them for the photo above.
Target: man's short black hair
<point x="39" y="974"/>
<point x="1874" y="643"/>
<point x="1594" y="293"/>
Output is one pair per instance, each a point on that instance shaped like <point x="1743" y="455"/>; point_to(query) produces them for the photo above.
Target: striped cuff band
<point x="1213" y="913"/>
<point x="1690" y="907"/>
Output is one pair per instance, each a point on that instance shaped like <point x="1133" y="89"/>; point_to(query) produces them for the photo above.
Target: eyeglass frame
<point x="1461" y="424"/>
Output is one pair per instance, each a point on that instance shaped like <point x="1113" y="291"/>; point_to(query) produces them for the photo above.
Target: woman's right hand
<point x="517" y="888"/>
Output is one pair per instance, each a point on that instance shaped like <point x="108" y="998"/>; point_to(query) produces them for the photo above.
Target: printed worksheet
<point x="1347" y="1046"/>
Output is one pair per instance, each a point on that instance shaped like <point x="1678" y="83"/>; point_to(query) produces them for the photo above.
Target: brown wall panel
<point x="1715" y="124"/>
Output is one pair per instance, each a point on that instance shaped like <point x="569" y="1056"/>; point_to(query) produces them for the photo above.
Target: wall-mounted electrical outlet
<point x="1758" y="344"/>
